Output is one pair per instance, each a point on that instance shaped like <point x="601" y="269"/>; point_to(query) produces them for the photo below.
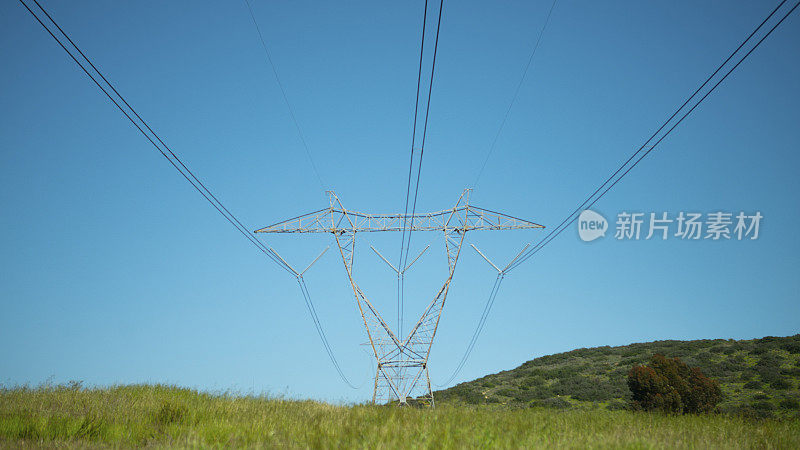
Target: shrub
<point x="539" y="392"/>
<point x="737" y="359"/>
<point x="631" y="360"/>
<point x="748" y="374"/>
<point x="652" y="391"/>
<point x="494" y="399"/>
<point x="753" y="384"/>
<point x="704" y="356"/>
<point x="506" y="392"/>
<point x="535" y="393"/>
<point x="586" y="389"/>
<point x="616" y="405"/>
<point x="781" y="383"/>
<point x="791" y="371"/>
<point x="769" y="360"/>
<point x="533" y="381"/>
<point x="752" y="413"/>
<point x="727" y="368"/>
<point x="769" y="374"/>
<point x="669" y="385"/>
<point x="791" y="347"/>
<point x="562" y="372"/>
<point x="554" y="402"/>
<point x="763" y="405"/>
<point x="464" y="392"/>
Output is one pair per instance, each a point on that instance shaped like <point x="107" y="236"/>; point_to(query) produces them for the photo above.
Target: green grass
<point x="758" y="378"/>
<point x="132" y="416"/>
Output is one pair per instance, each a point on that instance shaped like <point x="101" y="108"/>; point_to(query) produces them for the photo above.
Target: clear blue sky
<point x="115" y="271"/>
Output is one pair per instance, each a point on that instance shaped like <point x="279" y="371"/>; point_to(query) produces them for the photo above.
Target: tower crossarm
<point x="333" y="220"/>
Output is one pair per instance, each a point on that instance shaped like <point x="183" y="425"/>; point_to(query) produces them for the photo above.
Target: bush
<point x="791" y="371"/>
<point x="769" y="360"/>
<point x="629" y="361"/>
<point x="763" y="405"/>
<point x="506" y="392"/>
<point x="753" y="384"/>
<point x="530" y="382"/>
<point x="586" y="389"/>
<point x="751" y="413"/>
<point x="748" y="374"/>
<point x="562" y="372"/>
<point x="555" y="402"/>
<point x="464" y="392"/>
<point x="534" y="393"/>
<point x="781" y="383"/>
<point x="791" y="347"/>
<point x="616" y="405"/>
<point x="669" y="385"/>
<point x="769" y="374"/>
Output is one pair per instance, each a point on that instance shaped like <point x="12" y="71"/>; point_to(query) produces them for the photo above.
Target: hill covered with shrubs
<point x="758" y="378"/>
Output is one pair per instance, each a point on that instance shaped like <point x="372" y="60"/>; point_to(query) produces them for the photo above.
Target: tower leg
<point x="375" y="390"/>
<point x="430" y="391"/>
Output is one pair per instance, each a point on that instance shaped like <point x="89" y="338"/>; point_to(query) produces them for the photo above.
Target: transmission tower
<point x="402" y="363"/>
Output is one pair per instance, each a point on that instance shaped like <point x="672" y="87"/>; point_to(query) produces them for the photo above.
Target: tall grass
<point x="167" y="416"/>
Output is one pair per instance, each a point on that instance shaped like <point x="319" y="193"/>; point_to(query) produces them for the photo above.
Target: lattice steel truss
<point x="402" y="363"/>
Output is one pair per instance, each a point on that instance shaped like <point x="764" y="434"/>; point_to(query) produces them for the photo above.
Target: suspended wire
<point x="478" y="329"/>
<point x="424" y="130"/>
<point x="404" y="253"/>
<point x="172" y="158"/>
<point x="311" y="310"/>
<point x="590" y="201"/>
<point x="410" y="170"/>
<point x="516" y="93"/>
<point x="285" y="97"/>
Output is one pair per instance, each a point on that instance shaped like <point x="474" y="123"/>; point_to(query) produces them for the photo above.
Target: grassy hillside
<point x="759" y="377"/>
<point x="132" y="416"/>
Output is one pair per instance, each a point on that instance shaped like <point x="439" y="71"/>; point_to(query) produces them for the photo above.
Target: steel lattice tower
<point x="402" y="362"/>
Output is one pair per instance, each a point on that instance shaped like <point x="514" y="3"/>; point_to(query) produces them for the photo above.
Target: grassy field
<point x="166" y="416"/>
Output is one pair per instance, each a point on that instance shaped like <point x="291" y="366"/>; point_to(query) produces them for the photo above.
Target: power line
<point x="424" y="128"/>
<point x="404" y="254"/>
<point x="478" y="329"/>
<point x="321" y="331"/>
<point x="406" y="247"/>
<point x="589" y="202"/>
<point x="410" y="168"/>
<point x="514" y="97"/>
<point x="285" y="97"/>
<point x="173" y="159"/>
